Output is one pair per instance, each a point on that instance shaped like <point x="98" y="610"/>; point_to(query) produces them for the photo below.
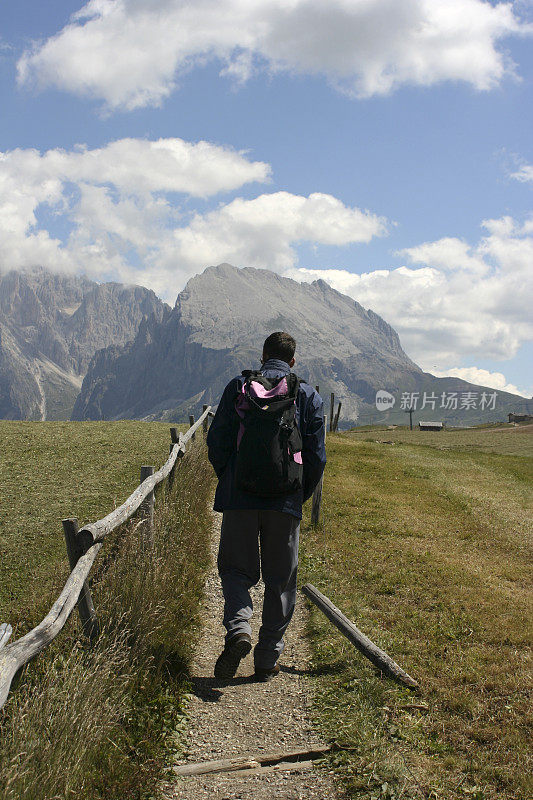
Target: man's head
<point x="279" y="345"/>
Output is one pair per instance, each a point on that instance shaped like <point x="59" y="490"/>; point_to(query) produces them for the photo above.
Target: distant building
<point x="431" y="426"/>
<point x="520" y="417"/>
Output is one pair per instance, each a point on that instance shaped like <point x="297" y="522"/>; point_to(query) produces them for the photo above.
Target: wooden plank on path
<point x="252" y="762"/>
<point x="281" y="766"/>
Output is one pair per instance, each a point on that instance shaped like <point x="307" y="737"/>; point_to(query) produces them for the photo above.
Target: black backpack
<point x="269" y="444"/>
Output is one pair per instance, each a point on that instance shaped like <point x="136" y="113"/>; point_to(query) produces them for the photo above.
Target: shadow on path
<point x="211" y="689"/>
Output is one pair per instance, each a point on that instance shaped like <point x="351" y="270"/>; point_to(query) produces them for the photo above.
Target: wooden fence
<point x="82" y="548"/>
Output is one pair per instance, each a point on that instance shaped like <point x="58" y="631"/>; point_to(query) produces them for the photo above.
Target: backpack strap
<point x="293" y="383"/>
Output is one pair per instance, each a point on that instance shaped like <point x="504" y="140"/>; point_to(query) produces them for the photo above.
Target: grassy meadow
<point x="99" y="721"/>
<point x="50" y="471"/>
<point x="426" y="543"/>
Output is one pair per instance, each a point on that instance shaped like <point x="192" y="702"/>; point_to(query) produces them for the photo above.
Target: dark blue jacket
<point x="222" y="447"/>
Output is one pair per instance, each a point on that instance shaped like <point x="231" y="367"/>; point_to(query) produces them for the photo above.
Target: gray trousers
<point x="254" y="543"/>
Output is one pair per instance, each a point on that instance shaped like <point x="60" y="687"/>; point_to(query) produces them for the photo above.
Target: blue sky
<point x="384" y="146"/>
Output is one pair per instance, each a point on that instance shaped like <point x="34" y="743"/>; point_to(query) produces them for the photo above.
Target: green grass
<point x="103" y="721"/>
<point x="50" y="471"/>
<point x="426" y="545"/>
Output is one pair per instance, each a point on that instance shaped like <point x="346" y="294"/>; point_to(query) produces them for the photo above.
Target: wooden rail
<point x="90" y="538"/>
<point x="5" y="633"/>
<point x="97" y="531"/>
<point x="365" y="645"/>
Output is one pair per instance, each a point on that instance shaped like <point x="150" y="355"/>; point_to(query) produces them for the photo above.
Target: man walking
<point x="266" y="445"/>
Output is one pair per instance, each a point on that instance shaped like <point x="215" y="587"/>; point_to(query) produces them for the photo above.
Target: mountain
<point x="50" y="327"/>
<point x="216" y="329"/>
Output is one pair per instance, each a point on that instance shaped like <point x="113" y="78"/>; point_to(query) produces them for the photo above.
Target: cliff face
<point x="185" y="357"/>
<point x="50" y="327"/>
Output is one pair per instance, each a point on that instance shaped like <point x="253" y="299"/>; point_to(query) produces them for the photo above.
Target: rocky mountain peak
<point x="50" y="327"/>
<point x="217" y="328"/>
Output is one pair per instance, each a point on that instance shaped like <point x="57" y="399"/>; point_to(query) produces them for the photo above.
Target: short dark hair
<point x="279" y="345"/>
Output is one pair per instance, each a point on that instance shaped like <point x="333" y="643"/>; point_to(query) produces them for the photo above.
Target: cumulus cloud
<point x="140" y="166"/>
<point x="482" y="377"/>
<point x="118" y="204"/>
<point x="132" y="53"/>
<point x="109" y="196"/>
<point x="262" y="232"/>
<point x="458" y="300"/>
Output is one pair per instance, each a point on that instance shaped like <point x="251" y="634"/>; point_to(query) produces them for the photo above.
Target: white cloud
<point x="447" y="254"/>
<point x="261" y="232"/>
<point x="140" y="166"/>
<point x="123" y="222"/>
<point x="481" y="377"/>
<point x="459" y="300"/>
<point x="111" y="193"/>
<point x="524" y="173"/>
<point x="131" y="53"/>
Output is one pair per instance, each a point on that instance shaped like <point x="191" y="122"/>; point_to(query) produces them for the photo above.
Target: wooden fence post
<point x="337" y="415"/>
<point x="331" y="410"/>
<point x="75" y="551"/>
<point x="170" y="479"/>
<point x="175" y="438"/>
<point x="317" y="494"/>
<point x="191" y="422"/>
<point x="146" y="512"/>
<point x="206" y="419"/>
<point x="317" y="502"/>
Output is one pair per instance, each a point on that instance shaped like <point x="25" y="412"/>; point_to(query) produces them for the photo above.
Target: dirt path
<point x="241" y="718"/>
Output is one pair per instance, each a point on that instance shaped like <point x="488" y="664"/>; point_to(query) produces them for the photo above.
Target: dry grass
<point x="428" y="549"/>
<point x="58" y="731"/>
<point x="99" y="722"/>
<point x="500" y="438"/>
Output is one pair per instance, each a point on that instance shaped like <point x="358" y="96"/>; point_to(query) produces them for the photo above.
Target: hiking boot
<point x="264" y="675"/>
<point x="234" y="651"/>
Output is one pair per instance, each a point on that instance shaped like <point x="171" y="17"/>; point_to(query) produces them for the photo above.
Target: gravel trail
<point x="241" y="718"/>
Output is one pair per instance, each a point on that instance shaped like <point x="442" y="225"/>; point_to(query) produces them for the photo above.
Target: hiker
<point x="266" y="445"/>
